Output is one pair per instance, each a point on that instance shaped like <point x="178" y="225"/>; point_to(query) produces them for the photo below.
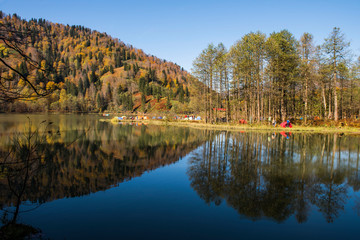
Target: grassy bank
<point x="248" y="127"/>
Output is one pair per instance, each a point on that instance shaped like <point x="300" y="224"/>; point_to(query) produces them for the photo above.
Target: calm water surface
<point x="97" y="180"/>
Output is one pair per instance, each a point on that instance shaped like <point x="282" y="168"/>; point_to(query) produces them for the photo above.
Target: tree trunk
<point x="227" y="97"/>
<point x="258" y="100"/>
<point x="282" y="105"/>
<point x="324" y="99"/>
<point x="330" y="110"/>
<point x="336" y="116"/>
<point x="351" y="98"/>
<point x="306" y="99"/>
<point x="206" y="101"/>
<point x="211" y="88"/>
<point x="270" y="106"/>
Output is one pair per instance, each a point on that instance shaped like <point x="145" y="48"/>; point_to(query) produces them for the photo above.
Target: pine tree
<point x="187" y="94"/>
<point x="86" y="82"/>
<point x="181" y="95"/>
<point x="81" y="87"/>
<point x="130" y="103"/>
<point x="143" y="102"/>
<point x="168" y="103"/>
<point x="99" y="101"/>
<point x="23" y="69"/>
<point x="93" y="77"/>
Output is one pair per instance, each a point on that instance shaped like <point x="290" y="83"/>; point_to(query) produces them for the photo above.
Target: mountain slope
<point x="91" y="71"/>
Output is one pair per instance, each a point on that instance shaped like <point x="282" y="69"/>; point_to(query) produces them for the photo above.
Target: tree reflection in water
<point x="100" y="158"/>
<point x="25" y="157"/>
<point x="263" y="175"/>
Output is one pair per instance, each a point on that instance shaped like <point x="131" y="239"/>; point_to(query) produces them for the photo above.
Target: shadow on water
<point x="275" y="176"/>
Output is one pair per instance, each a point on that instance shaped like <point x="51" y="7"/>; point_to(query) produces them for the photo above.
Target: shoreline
<point x="247" y="127"/>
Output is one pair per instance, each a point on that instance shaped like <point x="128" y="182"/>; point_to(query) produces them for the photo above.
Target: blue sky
<point x="178" y="30"/>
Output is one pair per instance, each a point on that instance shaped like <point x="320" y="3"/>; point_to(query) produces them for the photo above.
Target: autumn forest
<point x="50" y="67"/>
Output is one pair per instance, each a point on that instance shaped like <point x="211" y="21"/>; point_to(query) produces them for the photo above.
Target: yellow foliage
<point x="60" y="66"/>
<point x="63" y="96"/>
<point x="61" y="85"/>
<point x="43" y="64"/>
<point x="4" y="50"/>
<point x="107" y="61"/>
<point x="21" y="83"/>
<point x="50" y="86"/>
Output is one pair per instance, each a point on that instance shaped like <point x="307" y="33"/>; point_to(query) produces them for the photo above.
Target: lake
<point x="89" y="179"/>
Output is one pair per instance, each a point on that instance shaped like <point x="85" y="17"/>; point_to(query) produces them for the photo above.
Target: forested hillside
<point x="81" y="70"/>
<point x="53" y="67"/>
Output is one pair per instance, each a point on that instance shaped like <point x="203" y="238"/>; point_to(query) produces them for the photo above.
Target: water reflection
<point x="275" y="176"/>
<point x="79" y="162"/>
<point x="260" y="175"/>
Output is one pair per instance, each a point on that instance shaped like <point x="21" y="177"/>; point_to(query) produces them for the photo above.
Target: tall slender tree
<point x="336" y="48"/>
<point x="306" y="48"/>
<point x="204" y="69"/>
<point x="221" y="66"/>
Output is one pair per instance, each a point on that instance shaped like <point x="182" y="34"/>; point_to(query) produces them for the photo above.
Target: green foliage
<point x="23" y="69"/>
<point x="71" y="88"/>
<point x="108" y="95"/>
<point x="120" y="89"/>
<point x="101" y="103"/>
<point x="168" y="102"/>
<point x="86" y="82"/>
<point x="142" y="84"/>
<point x="126" y="101"/>
<point x="93" y="77"/>
<point x="180" y="92"/>
<point x="143" y="102"/>
<point x="81" y="87"/>
<point x="127" y="67"/>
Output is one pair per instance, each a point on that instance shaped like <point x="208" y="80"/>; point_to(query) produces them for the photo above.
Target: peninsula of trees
<point x="280" y="77"/>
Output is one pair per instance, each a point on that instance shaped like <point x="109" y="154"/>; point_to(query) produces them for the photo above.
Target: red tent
<point x="242" y="121"/>
<point x="284" y="125"/>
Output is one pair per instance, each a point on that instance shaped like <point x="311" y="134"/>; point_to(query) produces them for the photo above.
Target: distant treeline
<point x="280" y="77"/>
